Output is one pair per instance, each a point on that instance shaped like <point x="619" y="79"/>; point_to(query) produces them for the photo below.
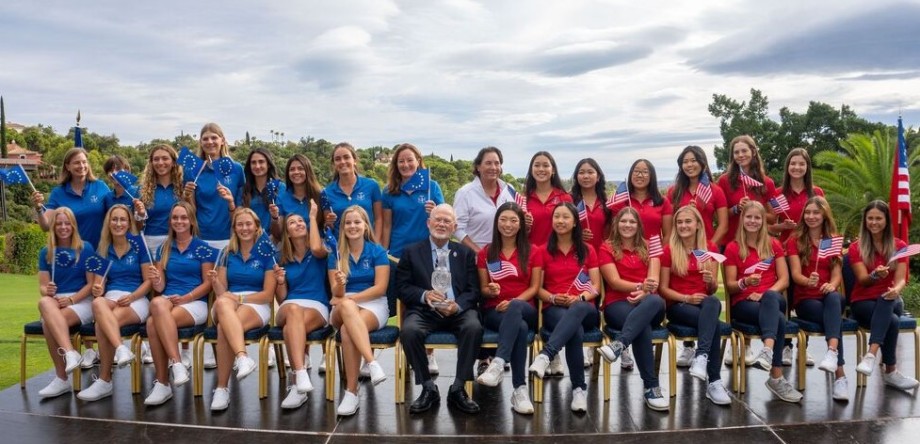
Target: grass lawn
<point x="20" y="305"/>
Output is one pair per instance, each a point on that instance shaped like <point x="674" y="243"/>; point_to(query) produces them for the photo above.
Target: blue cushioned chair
<point x="187" y="335"/>
<point x="130" y="332"/>
<point x="34" y="330"/>
<point x="275" y="336"/>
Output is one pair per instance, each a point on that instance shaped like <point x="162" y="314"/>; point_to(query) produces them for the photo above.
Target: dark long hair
<point x="681" y="181"/>
<point x="530" y="184"/>
<point x="578" y="242"/>
<point x="313" y="189"/>
<point x="787" y="181"/>
<point x="249" y="188"/>
<point x="652" y="190"/>
<point x="866" y="246"/>
<point x="600" y="188"/>
<point x="481" y="156"/>
<point x="521" y="242"/>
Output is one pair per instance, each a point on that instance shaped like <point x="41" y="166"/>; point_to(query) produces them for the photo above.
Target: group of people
<point x="492" y="260"/>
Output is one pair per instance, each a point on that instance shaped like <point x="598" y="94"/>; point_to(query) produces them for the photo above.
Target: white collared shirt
<point x="476" y="212"/>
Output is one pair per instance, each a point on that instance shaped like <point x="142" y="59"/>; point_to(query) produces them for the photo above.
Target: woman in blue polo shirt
<point x="358" y="274"/>
<point x="178" y="277"/>
<point x="120" y="295"/>
<point x="244" y="285"/>
<point x="64" y="285"/>
<point x="301" y="188"/>
<point x="160" y="189"/>
<point x="405" y="213"/>
<point x="302" y="292"/>
<point x="216" y="192"/>
<point x="259" y="170"/>
<point x="348" y="188"/>
<point x="80" y="191"/>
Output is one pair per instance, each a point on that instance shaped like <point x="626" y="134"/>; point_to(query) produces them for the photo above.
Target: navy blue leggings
<point x="705" y="318"/>
<point x="881" y="316"/>
<point x="769" y="314"/>
<point x="635" y="322"/>
<point x="568" y="327"/>
<point x="826" y="312"/>
<point x="512" y="326"/>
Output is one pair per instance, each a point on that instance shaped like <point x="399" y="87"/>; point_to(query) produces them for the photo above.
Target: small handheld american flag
<point x="780" y="203"/>
<point x="749" y="181"/>
<point x="582" y="282"/>
<point x="907" y="251"/>
<point x="582" y="212"/>
<point x="830" y="247"/>
<point x="654" y="247"/>
<point x="704" y="189"/>
<point x="703" y="255"/>
<point x="519" y="198"/>
<point x="501" y="269"/>
<point x="759" y="266"/>
<point x="621" y="195"/>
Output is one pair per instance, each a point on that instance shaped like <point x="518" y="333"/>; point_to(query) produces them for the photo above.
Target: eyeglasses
<point x="641" y="173"/>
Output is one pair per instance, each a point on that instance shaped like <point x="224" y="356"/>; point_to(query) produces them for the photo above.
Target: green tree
<point x="745" y="117"/>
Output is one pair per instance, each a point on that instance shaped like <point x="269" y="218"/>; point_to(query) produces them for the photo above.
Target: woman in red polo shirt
<point x="688" y="283"/>
<point x="509" y="274"/>
<point x="755" y="276"/>
<point x="570" y="285"/>
<point x="544" y="192"/>
<point x="631" y="304"/>
<point x="589" y="186"/>
<point x="816" y="280"/>
<point x="745" y="161"/>
<point x="644" y="195"/>
<point x="874" y="300"/>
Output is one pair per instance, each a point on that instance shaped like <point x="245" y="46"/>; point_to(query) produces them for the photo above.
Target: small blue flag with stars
<point x="190" y="163"/>
<point x="420" y="181"/>
<point x="223" y="165"/>
<point x="15" y="175"/>
<point x="324" y="203"/>
<point x="272" y="188"/>
<point x="206" y="253"/>
<point x="265" y="248"/>
<point x="331" y="244"/>
<point x="97" y="264"/>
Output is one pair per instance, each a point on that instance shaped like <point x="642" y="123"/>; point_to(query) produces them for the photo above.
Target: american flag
<point x="750" y="181"/>
<point x="501" y="269"/>
<point x="621" y="196"/>
<point x="759" y="266"/>
<point x="654" y="246"/>
<point x="582" y="282"/>
<point x="830" y="247"/>
<point x="519" y="198"/>
<point x="899" y="199"/>
<point x="780" y="203"/>
<point x="704" y="189"/>
<point x="907" y="251"/>
<point x="582" y="212"/>
<point x="420" y="181"/>
<point x="703" y="255"/>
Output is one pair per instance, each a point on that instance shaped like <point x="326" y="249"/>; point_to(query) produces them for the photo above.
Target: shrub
<point x="911" y="296"/>
<point x="25" y="246"/>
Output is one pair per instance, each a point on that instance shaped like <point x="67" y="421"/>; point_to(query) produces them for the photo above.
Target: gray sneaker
<point x="764" y="360"/>
<point x="718" y="394"/>
<point x="698" y="367"/>
<point x="612" y="351"/>
<point x="783" y="389"/>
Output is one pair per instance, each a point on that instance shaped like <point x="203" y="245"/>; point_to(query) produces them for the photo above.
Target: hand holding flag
<point x="272" y="188"/>
<point x="759" y="266"/>
<point x="620" y="196"/>
<point x="501" y="269"/>
<point x="905" y="252"/>
<point x="703" y="255"/>
<point x="583" y="282"/>
<point x="126" y="180"/>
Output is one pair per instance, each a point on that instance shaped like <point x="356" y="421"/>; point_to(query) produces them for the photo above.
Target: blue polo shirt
<point x="364" y="194"/>
<point x="126" y="273"/>
<point x="290" y="204"/>
<point x="183" y="271"/>
<point x="247" y="275"/>
<point x="260" y="207"/>
<point x="111" y="200"/>
<point x="361" y="272"/>
<point x="158" y="214"/>
<point x="89" y="208"/>
<point x="307" y="279"/>
<point x="69" y="269"/>
<point x="211" y="210"/>
<point x="410" y="221"/>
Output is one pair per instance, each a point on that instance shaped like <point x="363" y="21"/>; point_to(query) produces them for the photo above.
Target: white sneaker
<point x="589" y="356"/>
<point x="829" y="362"/>
<point x="787" y="356"/>
<point x="146" y="356"/>
<point x="520" y="401"/>
<point x="57" y="387"/>
<point x="432" y="365"/>
<point x="556" y="366"/>
<point x="72" y="359"/>
<point x="841" y="390"/>
<point x="655" y="400"/>
<point x="303" y="383"/>
<point x="698" y="367"/>
<point x="899" y="381"/>
<point x="612" y="351"/>
<point x="364" y="372"/>
<point x="783" y="389"/>
<point x="626" y="359"/>
<point x="764" y="360"/>
<point x="376" y="373"/>
<point x="809" y="360"/>
<point x="349" y="404"/>
<point x="294" y="398"/>
<point x="685" y="356"/>
<point x="179" y="374"/>
<point x="221" y="399"/>
<point x="493" y="374"/>
<point x="579" y="400"/>
<point x="159" y="394"/>
<point x="185" y="356"/>
<point x="98" y="390"/>
<point x="123" y="356"/>
<point x="90" y="358"/>
<point x="209" y="361"/>
<point x="867" y="365"/>
<point x="728" y="355"/>
<point x="539" y="366"/>
<point x="717" y="393"/>
<point x="272" y="360"/>
<point x="244" y="365"/>
<point x="322" y="365"/>
<point x="750" y="356"/>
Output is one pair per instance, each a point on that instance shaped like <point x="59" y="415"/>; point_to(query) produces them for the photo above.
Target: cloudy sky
<point x="615" y="80"/>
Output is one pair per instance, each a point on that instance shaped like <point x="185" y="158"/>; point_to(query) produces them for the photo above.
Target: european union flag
<point x="223" y="165"/>
<point x="420" y="181"/>
<point x="190" y="163"/>
<point x="265" y="248"/>
<point x="15" y="175"/>
<point x="126" y="180"/>
<point x="272" y="187"/>
<point x="206" y="253"/>
<point x="332" y="245"/>
<point x="98" y="265"/>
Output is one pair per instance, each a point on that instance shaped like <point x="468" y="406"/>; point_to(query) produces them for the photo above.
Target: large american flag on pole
<point x="899" y="199"/>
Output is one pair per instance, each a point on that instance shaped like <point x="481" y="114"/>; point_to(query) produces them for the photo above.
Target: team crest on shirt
<point x="360" y="195"/>
<point x="256" y="265"/>
<point x="130" y="259"/>
<point x="554" y="201"/>
<point x="94" y="198"/>
<point x="365" y="264"/>
<point x="421" y="198"/>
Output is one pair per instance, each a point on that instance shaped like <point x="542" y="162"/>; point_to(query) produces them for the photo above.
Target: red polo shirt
<point x="796" y="208"/>
<point x="707" y="210"/>
<point x="880" y="286"/>
<point x="650" y="215"/>
<point x="734" y="196"/>
<point x="560" y="271"/>
<point x="823" y="267"/>
<point x="630" y="267"/>
<point x="511" y="286"/>
<point x="597" y="223"/>
<point x="767" y="277"/>
<point x="542" y="212"/>
<point x="692" y="282"/>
